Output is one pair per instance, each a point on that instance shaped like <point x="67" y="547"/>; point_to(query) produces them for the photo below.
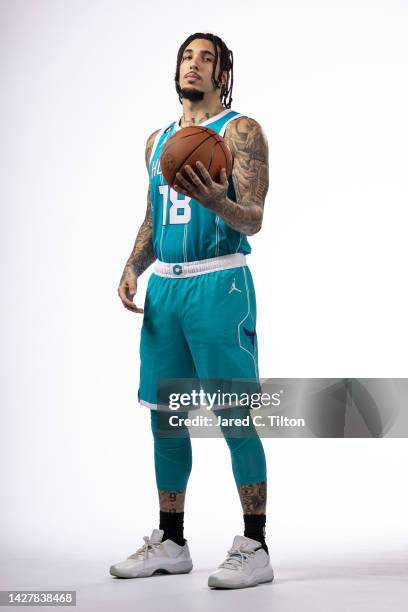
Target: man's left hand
<point x="201" y="187"/>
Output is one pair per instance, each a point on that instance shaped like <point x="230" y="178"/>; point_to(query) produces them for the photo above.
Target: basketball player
<point x="200" y="308"/>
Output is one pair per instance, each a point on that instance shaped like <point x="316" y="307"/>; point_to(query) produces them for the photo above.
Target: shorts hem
<point x="152" y="406"/>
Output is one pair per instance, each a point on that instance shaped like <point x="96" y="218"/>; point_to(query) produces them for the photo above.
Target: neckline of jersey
<point x="207" y="121"/>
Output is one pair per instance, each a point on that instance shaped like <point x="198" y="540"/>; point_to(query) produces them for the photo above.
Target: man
<point x="200" y="308"/>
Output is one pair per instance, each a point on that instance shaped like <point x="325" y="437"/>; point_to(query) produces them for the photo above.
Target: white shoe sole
<point x="264" y="574"/>
<point x="183" y="567"/>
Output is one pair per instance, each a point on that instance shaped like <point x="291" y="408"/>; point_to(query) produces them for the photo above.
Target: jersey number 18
<point x="176" y="204"/>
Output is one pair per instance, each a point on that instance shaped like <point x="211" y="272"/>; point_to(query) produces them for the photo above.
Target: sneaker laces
<point x="144" y="550"/>
<point x="237" y="557"/>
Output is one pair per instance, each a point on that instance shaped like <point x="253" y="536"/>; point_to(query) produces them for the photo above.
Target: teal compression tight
<point x="173" y="455"/>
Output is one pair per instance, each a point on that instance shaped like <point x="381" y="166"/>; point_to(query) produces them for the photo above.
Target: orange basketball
<point x="192" y="144"/>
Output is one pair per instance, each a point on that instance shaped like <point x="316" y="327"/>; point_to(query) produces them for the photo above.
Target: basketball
<point x="192" y="144"/>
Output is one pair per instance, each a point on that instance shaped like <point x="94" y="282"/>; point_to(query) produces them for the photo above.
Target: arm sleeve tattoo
<point x="250" y="175"/>
<point x="142" y="255"/>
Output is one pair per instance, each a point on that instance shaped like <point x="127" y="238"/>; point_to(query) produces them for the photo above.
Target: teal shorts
<point x="198" y="327"/>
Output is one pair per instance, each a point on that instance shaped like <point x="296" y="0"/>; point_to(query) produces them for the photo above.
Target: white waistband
<point x="193" y="268"/>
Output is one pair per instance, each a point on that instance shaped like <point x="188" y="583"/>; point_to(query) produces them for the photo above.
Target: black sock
<point x="172" y="525"/>
<point x="255" y="528"/>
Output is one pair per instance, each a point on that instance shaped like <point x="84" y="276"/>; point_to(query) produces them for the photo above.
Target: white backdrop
<point x="83" y="83"/>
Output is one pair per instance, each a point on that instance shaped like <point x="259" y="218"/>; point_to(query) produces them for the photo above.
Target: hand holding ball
<point x="192" y="144"/>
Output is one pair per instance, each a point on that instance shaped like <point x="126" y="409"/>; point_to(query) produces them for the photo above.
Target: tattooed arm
<point x="142" y="254"/>
<point x="250" y="175"/>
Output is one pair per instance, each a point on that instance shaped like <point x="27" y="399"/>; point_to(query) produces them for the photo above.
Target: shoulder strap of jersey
<point x="230" y="117"/>
<point x="160" y="134"/>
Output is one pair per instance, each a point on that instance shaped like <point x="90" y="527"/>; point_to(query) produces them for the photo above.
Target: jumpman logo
<point x="234" y="287"/>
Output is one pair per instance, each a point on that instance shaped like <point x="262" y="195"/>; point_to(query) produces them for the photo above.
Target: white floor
<point x="337" y="586"/>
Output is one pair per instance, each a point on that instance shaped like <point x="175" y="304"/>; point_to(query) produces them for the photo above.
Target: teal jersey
<point x="183" y="230"/>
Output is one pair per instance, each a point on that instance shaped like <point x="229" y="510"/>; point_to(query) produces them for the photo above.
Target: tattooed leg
<point x="253" y="498"/>
<point x="172" y="501"/>
<point x="172" y="515"/>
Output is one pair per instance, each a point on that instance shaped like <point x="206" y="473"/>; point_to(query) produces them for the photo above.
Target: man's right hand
<point x="127" y="289"/>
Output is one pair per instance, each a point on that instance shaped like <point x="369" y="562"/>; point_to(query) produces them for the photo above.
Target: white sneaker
<point x="153" y="557"/>
<point x="246" y="565"/>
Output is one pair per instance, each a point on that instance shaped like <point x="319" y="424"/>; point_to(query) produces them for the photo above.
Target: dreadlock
<point x="226" y="63"/>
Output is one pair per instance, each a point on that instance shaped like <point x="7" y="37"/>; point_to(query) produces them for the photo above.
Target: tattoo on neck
<point x="196" y="120"/>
